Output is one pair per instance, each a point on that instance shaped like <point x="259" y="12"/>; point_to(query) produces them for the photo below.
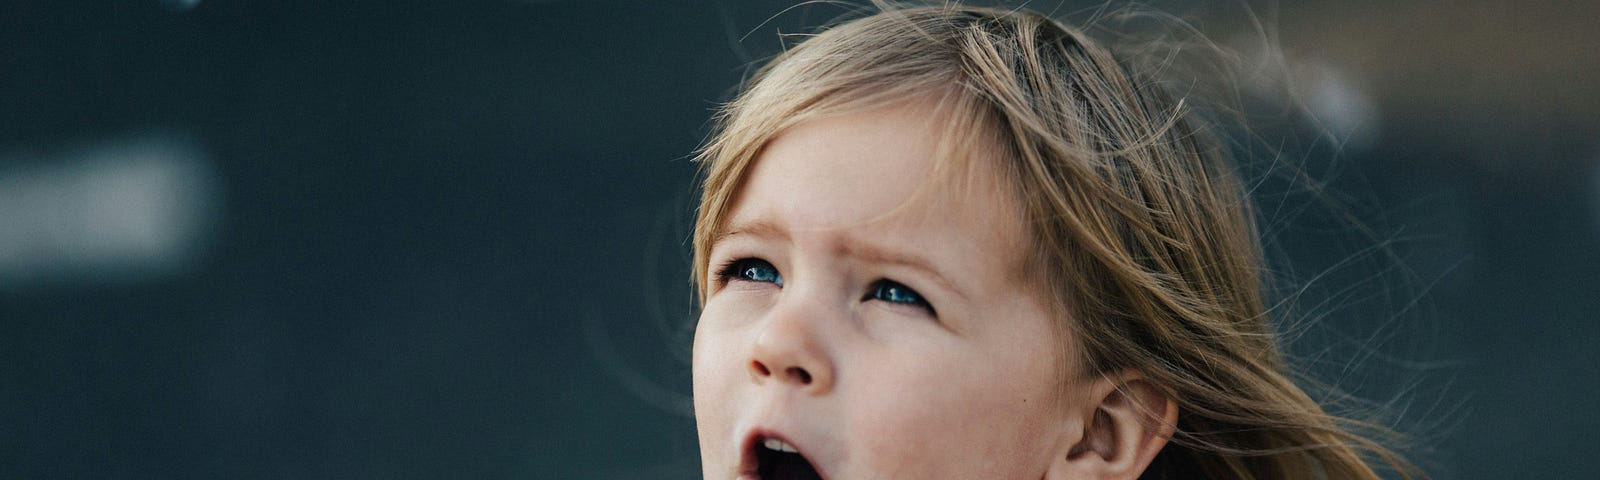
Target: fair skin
<point x="884" y="332"/>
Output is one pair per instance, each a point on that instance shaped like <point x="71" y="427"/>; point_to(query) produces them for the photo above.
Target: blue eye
<point x="753" y="270"/>
<point x="893" y="292"/>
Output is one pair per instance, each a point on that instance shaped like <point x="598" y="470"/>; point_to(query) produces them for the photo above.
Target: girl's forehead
<point x="879" y="181"/>
<point x="907" y="161"/>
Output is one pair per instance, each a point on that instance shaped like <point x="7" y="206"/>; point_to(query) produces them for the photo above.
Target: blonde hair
<point x="1140" y="234"/>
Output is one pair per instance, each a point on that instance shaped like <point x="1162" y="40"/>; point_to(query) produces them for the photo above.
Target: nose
<point x="789" y="351"/>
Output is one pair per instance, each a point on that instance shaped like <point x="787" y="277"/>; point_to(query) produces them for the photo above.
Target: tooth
<point x="778" y="445"/>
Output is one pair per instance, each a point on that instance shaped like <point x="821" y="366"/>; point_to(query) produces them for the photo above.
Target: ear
<point x="1121" y="433"/>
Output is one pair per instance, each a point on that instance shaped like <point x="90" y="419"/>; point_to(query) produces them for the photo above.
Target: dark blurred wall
<point x="448" y="239"/>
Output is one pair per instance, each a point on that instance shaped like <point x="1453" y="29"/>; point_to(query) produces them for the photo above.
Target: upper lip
<point x="750" y="463"/>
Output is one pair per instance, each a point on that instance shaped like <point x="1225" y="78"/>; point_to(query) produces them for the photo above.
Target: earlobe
<point x="1122" y="432"/>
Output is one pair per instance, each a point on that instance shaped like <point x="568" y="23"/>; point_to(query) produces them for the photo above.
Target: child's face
<point x="881" y="337"/>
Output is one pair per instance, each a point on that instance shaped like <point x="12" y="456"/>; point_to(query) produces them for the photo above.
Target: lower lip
<point x="749" y="476"/>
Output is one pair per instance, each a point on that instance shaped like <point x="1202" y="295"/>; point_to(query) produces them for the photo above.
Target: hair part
<point x="1140" y="235"/>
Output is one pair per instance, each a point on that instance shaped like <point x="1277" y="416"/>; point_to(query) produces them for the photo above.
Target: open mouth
<point x="776" y="459"/>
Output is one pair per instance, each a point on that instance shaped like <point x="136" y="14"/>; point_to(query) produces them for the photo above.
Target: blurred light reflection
<point x="1339" y="104"/>
<point x="132" y="209"/>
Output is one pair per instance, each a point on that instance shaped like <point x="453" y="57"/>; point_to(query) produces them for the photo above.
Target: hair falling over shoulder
<point x="1140" y="232"/>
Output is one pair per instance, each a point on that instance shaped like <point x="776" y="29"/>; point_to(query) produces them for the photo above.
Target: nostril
<point x="760" y="369"/>
<point x="800" y="374"/>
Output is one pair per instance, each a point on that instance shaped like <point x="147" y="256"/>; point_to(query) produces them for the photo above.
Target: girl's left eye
<point x="894" y="292"/>
<point x="751" y="270"/>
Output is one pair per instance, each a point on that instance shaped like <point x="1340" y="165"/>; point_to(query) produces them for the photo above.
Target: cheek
<point x="970" y="417"/>
<point x="717" y="353"/>
<point x="715" y="378"/>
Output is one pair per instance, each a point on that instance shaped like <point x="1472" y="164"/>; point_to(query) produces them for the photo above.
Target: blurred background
<point x="409" y="239"/>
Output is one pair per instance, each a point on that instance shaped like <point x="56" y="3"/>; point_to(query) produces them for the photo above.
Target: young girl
<point x="955" y="242"/>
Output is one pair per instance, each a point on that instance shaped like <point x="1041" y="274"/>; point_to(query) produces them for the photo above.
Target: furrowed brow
<point x="759" y="229"/>
<point x="763" y="229"/>
<point x="884" y="256"/>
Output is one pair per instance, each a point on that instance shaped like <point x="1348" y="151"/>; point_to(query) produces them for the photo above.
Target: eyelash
<point x="881" y="288"/>
<point x="738" y="270"/>
<point x="735" y="270"/>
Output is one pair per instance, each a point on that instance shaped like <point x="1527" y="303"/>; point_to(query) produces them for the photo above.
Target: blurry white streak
<point x="129" y="210"/>
<point x="1337" y="102"/>
<point x="179" y="5"/>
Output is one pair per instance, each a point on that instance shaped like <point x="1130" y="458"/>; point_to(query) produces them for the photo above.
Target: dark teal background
<point x="451" y="239"/>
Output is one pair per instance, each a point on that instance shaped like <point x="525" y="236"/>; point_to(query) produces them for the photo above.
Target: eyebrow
<point x="850" y="248"/>
<point x="763" y="229"/>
